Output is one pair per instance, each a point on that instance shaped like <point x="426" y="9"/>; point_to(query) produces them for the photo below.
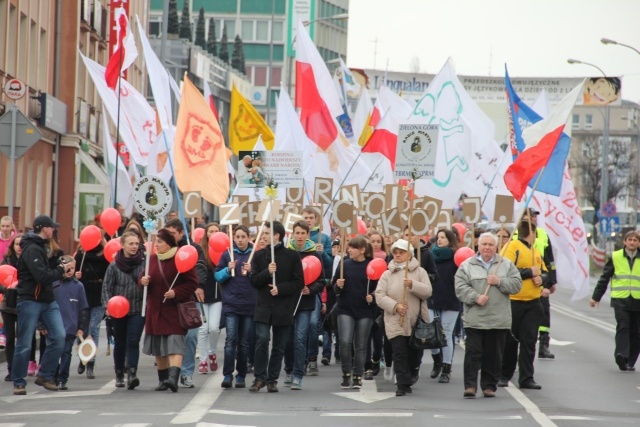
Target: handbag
<point x="426" y="336"/>
<point x="189" y="315"/>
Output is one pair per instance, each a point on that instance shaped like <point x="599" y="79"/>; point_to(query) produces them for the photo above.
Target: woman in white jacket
<point x="416" y="288"/>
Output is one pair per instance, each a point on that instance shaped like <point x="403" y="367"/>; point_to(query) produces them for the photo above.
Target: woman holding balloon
<point x="171" y="280"/>
<point x="91" y="266"/>
<point x="8" y="279"/>
<point x="121" y="279"/>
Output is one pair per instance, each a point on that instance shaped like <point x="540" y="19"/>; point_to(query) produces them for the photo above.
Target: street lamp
<point x="609" y="41"/>
<point x="605" y="149"/>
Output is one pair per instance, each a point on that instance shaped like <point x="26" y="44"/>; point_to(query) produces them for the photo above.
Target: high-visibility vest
<point x="542" y="240"/>
<point x="625" y="281"/>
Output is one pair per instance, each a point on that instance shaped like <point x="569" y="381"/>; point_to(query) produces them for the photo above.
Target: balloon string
<point x="172" y="283"/>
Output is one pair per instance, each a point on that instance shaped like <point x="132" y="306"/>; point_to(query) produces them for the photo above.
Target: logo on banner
<point x="200" y="141"/>
<point x="416" y="146"/>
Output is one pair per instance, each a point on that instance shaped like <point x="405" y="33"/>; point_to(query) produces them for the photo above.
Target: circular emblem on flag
<point x="416" y="146"/>
<point x="152" y="196"/>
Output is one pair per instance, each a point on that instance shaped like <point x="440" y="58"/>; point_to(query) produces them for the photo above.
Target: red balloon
<point x="219" y="241"/>
<point x="118" y="306"/>
<point x="8" y="275"/>
<point x="110" y="220"/>
<point x="90" y="237"/>
<point x="362" y="227"/>
<point x="311" y="268"/>
<point x="186" y="258"/>
<point x="111" y="249"/>
<point x="462" y="255"/>
<point x="375" y="268"/>
<point x="461" y="229"/>
<point x="197" y="234"/>
<point x="214" y="256"/>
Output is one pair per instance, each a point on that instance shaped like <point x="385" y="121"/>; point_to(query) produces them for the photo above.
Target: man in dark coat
<point x="275" y="306"/>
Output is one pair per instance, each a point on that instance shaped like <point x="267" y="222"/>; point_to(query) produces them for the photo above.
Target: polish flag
<point x="210" y="101"/>
<point x="389" y="100"/>
<point x="384" y="139"/>
<point x="315" y="93"/>
<point x="126" y="51"/>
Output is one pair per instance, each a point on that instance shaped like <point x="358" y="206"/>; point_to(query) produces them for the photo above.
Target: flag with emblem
<point x="199" y="150"/>
<point x="246" y="125"/>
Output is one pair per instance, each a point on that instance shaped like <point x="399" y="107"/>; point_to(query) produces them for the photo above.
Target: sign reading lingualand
<point x="416" y="151"/>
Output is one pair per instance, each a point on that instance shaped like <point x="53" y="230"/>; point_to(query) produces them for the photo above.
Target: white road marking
<point x="108" y="388"/>
<point x="117" y="414"/>
<point x="201" y="402"/>
<point x="563" y="309"/>
<point x="20" y="414"/>
<point x="369" y="414"/>
<point x="132" y="425"/>
<point x="560" y="343"/>
<point x="246" y="414"/>
<point x="367" y="394"/>
<point x="475" y="417"/>
<point x="571" y="418"/>
<point x="11" y="425"/>
<point x="218" y="425"/>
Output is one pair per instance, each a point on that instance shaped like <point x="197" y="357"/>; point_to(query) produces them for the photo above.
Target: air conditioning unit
<point x="258" y="96"/>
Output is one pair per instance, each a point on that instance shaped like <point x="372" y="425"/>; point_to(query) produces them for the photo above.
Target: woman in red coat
<point x="164" y="337"/>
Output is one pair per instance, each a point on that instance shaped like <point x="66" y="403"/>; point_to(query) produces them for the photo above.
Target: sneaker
<point x="368" y="375"/>
<point x="48" y="384"/>
<point x="31" y="371"/>
<point x="313" y="369"/>
<point x="62" y="386"/>
<point x="288" y="379"/>
<point x="272" y="388"/>
<point x="227" y="382"/>
<point x="346" y="381"/>
<point x="187" y="381"/>
<point x="8" y="378"/>
<point x="3" y="341"/>
<point x="388" y="373"/>
<point x="375" y="368"/>
<point x="19" y="390"/>
<point x="249" y="368"/>
<point x="256" y="386"/>
<point x="296" y="384"/>
<point x="202" y="368"/>
<point x="213" y="362"/>
<point x="325" y="361"/>
<point x="240" y="383"/>
<point x="357" y="382"/>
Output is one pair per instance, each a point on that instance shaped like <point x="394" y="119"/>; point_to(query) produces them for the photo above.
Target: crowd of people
<point x="273" y="313"/>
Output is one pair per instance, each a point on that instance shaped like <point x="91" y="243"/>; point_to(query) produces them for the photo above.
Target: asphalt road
<point x="581" y="387"/>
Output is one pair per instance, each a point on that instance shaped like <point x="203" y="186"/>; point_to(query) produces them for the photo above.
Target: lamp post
<point x="338" y="17"/>
<point x="605" y="150"/>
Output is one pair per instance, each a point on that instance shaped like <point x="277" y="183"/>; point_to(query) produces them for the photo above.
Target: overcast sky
<point x="533" y="37"/>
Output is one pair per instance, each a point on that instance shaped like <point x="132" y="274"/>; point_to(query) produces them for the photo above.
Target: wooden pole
<point x="343" y="236"/>
<point x="244" y="273"/>
<point x="230" y="230"/>
<point x="406" y="270"/>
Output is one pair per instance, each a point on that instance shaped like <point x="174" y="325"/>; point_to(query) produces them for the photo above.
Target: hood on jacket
<point x="31" y="238"/>
<point x="246" y="251"/>
<point x="309" y="246"/>
<point x="413" y="264"/>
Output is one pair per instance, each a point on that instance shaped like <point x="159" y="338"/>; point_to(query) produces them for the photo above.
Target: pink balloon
<point x="219" y="241"/>
<point x="461" y="229"/>
<point x="375" y="268"/>
<point x="110" y="220"/>
<point x="111" y="249"/>
<point x="8" y="275"/>
<point x="214" y="256"/>
<point x="311" y="268"/>
<point x="118" y="306"/>
<point x="90" y="237"/>
<point x="186" y="258"/>
<point x="462" y="254"/>
<point x="197" y="234"/>
<point x="362" y="226"/>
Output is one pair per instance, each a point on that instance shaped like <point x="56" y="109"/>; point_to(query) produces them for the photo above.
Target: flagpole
<point x="371" y="176"/>
<point x="115" y="187"/>
<point x="493" y="179"/>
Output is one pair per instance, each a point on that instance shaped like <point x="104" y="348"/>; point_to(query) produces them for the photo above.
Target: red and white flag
<point x="384" y="139"/>
<point x="388" y="100"/>
<point x="210" y="101"/>
<point x="126" y="51"/>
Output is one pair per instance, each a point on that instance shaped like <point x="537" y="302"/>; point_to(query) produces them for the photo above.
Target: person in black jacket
<point x="296" y="351"/>
<point x="8" y="305"/>
<point x="275" y="306"/>
<point x="36" y="302"/>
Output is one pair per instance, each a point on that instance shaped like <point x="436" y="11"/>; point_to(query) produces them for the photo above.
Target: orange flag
<point x="200" y="156"/>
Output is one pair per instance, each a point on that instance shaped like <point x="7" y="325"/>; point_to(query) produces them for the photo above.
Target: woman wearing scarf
<point x="444" y="302"/>
<point x="121" y="279"/>
<point x="164" y="336"/>
<point x="400" y="293"/>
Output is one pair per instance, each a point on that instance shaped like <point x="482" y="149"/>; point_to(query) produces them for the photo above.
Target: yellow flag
<point x="246" y="125"/>
<point x="200" y="156"/>
<point x="367" y="131"/>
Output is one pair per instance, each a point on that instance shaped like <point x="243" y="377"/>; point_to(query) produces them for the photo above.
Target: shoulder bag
<point x="426" y="336"/>
<point x="188" y="312"/>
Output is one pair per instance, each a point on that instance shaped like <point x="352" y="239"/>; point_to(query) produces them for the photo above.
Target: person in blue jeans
<point x="74" y="309"/>
<point x="296" y="351"/>
<point x="36" y="302"/>
<point x="238" y="305"/>
<point x="121" y="279"/>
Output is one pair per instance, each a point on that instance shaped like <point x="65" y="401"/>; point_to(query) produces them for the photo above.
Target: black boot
<point x="163" y="374"/>
<point x="119" y="377"/>
<point x="543" y="351"/>
<point x="81" y="368"/>
<point x="90" y="373"/>
<point x="172" y="381"/>
<point x="437" y="364"/>
<point x="132" y="379"/>
<point x="445" y="376"/>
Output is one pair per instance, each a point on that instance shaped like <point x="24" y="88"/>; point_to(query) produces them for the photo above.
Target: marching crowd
<point x="364" y="299"/>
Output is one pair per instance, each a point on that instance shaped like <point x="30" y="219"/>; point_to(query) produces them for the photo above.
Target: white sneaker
<point x="388" y="373"/>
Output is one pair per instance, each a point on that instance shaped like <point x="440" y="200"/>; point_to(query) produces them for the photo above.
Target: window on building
<point x="247" y="31"/>
<point x="588" y="121"/>
<point x="155" y="28"/>
<point x="262" y="31"/>
<point x="260" y="76"/>
<point x="231" y="28"/>
<point x="278" y="31"/>
<point x="576" y="121"/>
<point x="276" y="76"/>
<point x="93" y="192"/>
